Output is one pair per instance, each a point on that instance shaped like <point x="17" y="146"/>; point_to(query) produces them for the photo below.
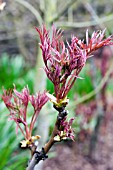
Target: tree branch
<point x="58" y="15"/>
<point x="32" y="9"/>
<point x="83" y="24"/>
<point x="37" y="156"/>
<point x="96" y="90"/>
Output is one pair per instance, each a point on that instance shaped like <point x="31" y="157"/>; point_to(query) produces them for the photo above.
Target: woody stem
<point x="37" y="156"/>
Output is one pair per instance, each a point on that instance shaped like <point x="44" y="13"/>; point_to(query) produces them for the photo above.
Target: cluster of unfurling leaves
<point x="17" y="104"/>
<point x="63" y="63"/>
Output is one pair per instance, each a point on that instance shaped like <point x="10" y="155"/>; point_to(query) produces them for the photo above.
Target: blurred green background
<point x="21" y="64"/>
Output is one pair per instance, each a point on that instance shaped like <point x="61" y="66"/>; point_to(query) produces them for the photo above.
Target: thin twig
<point x="95" y="91"/>
<point x="110" y="70"/>
<point x="32" y="9"/>
<point x="60" y="13"/>
<point x="50" y="143"/>
<point x="84" y="24"/>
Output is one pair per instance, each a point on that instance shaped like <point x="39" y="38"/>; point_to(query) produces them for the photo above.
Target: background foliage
<point x="20" y="60"/>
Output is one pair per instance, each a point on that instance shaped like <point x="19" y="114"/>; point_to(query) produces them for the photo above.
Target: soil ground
<point x="72" y="156"/>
